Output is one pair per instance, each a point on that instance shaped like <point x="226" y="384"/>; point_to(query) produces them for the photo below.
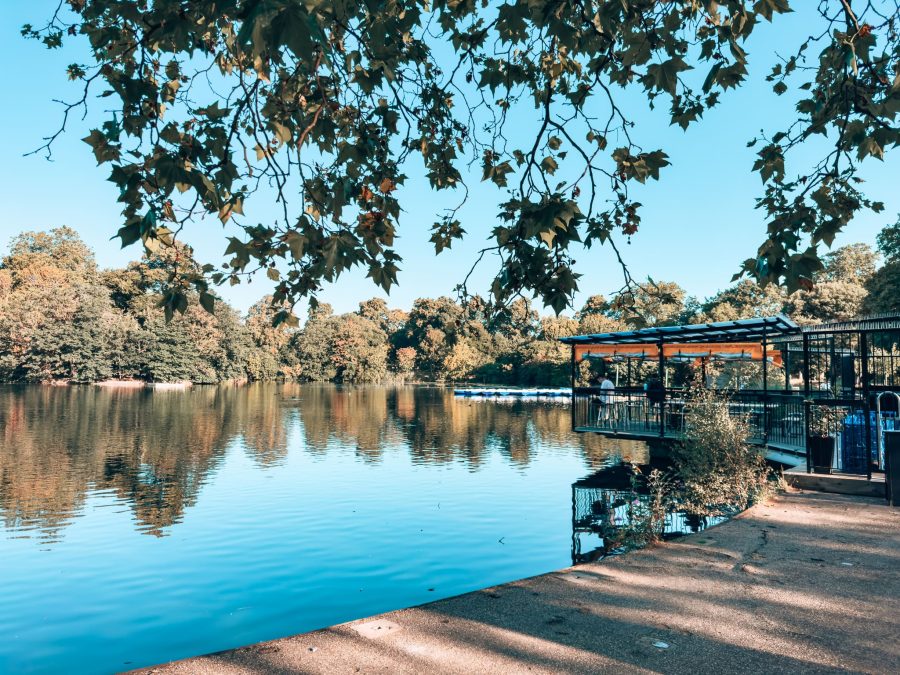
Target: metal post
<point x="765" y="344"/>
<point x="662" y="380"/>
<point x="786" y="362"/>
<point x="572" y="406"/>
<point x="806" y="401"/>
<point x="867" y="403"/>
<point x="832" y="369"/>
<point x="806" y="405"/>
<point x="806" y="365"/>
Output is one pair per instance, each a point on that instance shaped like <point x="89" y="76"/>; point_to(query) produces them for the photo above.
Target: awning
<point x="719" y="351"/>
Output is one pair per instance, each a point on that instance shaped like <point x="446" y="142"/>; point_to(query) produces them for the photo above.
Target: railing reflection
<point x="607" y="501"/>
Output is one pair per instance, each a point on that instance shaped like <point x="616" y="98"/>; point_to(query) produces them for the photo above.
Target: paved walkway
<point x="808" y="583"/>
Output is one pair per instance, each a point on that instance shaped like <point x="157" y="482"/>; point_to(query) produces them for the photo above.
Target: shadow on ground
<point x="808" y="583"/>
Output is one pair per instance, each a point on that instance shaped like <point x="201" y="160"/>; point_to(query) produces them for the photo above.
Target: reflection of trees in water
<point x="437" y="427"/>
<point x="155" y="449"/>
<point x="354" y="417"/>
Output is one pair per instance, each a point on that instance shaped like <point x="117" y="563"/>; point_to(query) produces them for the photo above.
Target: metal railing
<point x="628" y="411"/>
<point x="773" y="418"/>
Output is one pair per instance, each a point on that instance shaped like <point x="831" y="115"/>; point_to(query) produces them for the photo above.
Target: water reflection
<point x="155" y="449"/>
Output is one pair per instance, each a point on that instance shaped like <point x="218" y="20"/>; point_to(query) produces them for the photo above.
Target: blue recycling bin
<point x="855" y="456"/>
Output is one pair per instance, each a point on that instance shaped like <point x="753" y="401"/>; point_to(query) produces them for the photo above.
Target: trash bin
<point x="853" y="453"/>
<point x="892" y="467"/>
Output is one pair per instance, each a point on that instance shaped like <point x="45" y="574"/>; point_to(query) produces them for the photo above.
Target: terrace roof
<point x="875" y="322"/>
<point x="743" y="330"/>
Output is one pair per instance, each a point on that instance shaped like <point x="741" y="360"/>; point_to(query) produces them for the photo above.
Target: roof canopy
<point x="877" y="322"/>
<point x="744" y="330"/>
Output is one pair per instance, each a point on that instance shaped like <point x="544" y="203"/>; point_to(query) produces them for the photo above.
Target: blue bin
<point x="855" y="457"/>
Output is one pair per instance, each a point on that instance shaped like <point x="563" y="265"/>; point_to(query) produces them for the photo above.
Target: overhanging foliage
<point x="324" y="104"/>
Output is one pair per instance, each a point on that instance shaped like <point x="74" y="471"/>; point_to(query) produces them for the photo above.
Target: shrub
<point x="718" y="469"/>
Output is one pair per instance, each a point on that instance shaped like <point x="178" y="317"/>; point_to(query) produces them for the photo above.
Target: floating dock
<point x="485" y="392"/>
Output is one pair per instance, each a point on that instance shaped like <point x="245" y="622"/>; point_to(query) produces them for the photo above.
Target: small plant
<point x="824" y="421"/>
<point x="645" y="514"/>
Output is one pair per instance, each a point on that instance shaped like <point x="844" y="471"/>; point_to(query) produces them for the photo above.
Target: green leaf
<point x="665" y="75"/>
<point x="208" y="302"/>
<point x="129" y="234"/>
<point x="711" y="77"/>
<point x="296" y="243"/>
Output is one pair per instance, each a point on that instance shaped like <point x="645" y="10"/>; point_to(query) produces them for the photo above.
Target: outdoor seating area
<point x="790" y="383"/>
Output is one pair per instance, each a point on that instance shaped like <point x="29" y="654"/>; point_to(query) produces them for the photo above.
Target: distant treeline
<point x="64" y="319"/>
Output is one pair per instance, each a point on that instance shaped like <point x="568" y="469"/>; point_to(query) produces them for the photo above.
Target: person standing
<point x="605" y="397"/>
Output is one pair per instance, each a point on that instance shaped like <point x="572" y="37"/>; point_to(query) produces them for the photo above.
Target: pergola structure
<point x="845" y="365"/>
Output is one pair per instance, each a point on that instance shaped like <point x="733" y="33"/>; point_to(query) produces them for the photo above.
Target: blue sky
<point x="699" y="221"/>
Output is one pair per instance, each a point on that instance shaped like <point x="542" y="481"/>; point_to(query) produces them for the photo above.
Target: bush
<point x="718" y="470"/>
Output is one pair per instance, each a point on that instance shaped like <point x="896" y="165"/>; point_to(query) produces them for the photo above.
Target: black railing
<point x="774" y="418"/>
<point x="629" y="412"/>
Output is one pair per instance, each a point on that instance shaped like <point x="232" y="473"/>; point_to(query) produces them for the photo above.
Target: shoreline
<point x="767" y="591"/>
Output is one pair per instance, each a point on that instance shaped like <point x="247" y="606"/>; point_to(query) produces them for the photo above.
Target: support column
<point x="662" y="384"/>
<point x="867" y="403"/>
<point x="806" y="400"/>
<point x="765" y="363"/>
<point x="572" y="404"/>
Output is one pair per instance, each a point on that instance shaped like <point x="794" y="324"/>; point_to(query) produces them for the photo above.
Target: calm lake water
<point x="138" y="527"/>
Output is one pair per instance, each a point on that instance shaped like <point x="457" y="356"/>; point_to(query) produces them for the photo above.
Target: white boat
<point x="487" y="392"/>
<point x="170" y="385"/>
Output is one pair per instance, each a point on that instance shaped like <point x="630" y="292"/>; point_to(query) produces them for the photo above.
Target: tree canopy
<point x="325" y="105"/>
<point x="63" y="319"/>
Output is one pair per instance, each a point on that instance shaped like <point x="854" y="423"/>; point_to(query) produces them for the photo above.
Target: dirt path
<point x="808" y="583"/>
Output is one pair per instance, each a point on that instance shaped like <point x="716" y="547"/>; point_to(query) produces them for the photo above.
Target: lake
<point x="141" y="526"/>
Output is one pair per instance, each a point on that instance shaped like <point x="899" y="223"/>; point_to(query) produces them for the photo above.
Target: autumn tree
<point x="745" y="300"/>
<point x="839" y="290"/>
<point x="651" y="303"/>
<point x="359" y="350"/>
<point x="882" y="287"/>
<point x="56" y="323"/>
<point x="883" y="290"/>
<point x="311" y="346"/>
<point x="321" y="107"/>
<point x="598" y="316"/>
<point x="269" y="357"/>
<point x="889" y="241"/>
<point x="853" y="263"/>
<point x="431" y="329"/>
